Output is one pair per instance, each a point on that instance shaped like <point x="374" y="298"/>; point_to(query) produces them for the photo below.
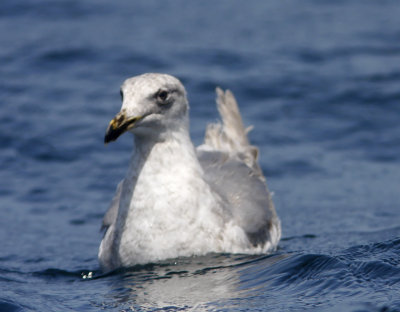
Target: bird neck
<point x="165" y="153"/>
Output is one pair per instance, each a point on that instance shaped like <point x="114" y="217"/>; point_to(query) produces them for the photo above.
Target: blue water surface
<point x="320" y="82"/>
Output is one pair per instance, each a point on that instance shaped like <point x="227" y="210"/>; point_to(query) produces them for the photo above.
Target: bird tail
<point x="231" y="135"/>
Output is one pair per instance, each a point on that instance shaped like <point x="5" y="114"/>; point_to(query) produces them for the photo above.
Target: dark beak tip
<point x="109" y="137"/>
<point x="118" y="126"/>
<point x="113" y="134"/>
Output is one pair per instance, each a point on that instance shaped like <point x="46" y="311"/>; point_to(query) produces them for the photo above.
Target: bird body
<point x="176" y="200"/>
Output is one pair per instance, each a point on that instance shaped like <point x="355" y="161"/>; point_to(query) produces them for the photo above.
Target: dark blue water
<point x="320" y="82"/>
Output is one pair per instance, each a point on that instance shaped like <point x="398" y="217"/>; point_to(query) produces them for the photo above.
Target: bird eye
<point x="122" y="95"/>
<point x="162" y="95"/>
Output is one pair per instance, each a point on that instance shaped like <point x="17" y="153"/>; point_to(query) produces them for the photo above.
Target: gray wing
<point x="244" y="192"/>
<point x="112" y="212"/>
<point x="231" y="168"/>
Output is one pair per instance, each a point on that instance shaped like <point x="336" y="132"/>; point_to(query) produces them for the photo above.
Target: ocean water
<point x="318" y="80"/>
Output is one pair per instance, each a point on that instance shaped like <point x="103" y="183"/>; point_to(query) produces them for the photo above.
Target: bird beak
<point x="120" y="124"/>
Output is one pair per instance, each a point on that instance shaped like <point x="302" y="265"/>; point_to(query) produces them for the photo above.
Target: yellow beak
<point x="118" y="125"/>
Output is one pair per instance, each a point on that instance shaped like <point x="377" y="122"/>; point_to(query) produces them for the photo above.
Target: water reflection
<point x="197" y="282"/>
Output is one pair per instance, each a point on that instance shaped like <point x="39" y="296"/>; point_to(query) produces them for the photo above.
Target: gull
<point x="177" y="200"/>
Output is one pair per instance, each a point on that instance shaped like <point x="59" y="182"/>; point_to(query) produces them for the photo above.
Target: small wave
<point x="43" y="151"/>
<point x="9" y="306"/>
<point x="359" y="272"/>
<point x="319" y="56"/>
<point x="59" y="274"/>
<point x="216" y="56"/>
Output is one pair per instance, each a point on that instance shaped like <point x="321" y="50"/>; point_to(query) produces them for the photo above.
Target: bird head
<point x="152" y="105"/>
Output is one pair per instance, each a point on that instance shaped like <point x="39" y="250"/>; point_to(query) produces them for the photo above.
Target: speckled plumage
<point x="180" y="201"/>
